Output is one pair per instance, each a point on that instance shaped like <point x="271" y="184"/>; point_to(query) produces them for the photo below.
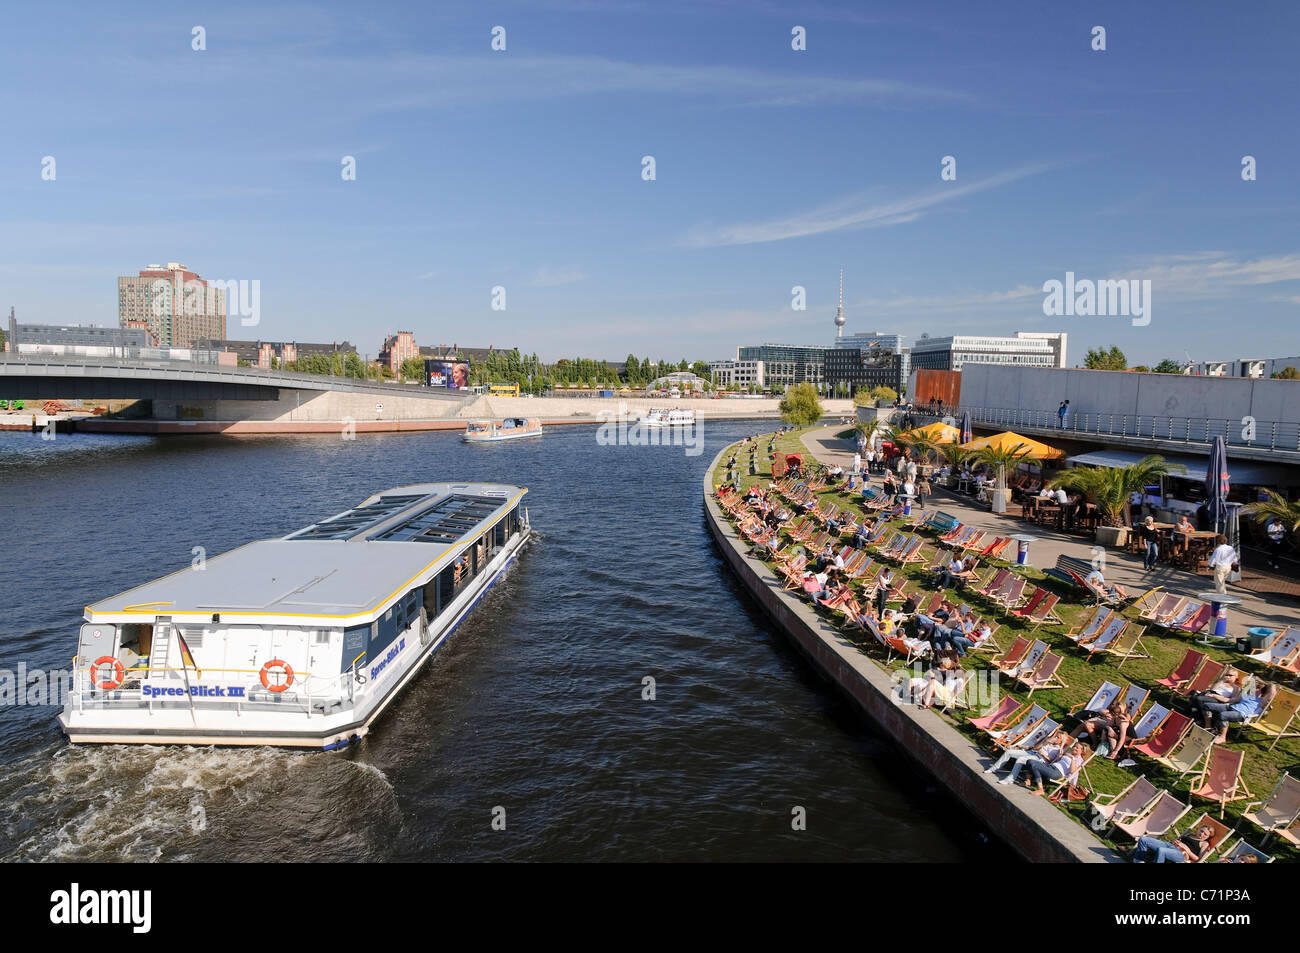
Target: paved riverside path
<point x="1121" y="567"/>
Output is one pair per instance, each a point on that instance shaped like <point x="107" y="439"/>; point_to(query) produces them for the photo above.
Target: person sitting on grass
<point x="1187" y="849"/>
<point x="1098" y="584"/>
<point x="1251" y="705"/>
<point x="1019" y="757"/>
<point x="1064" y="766"/>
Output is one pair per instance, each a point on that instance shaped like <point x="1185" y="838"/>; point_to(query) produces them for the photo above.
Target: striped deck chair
<point x="1128" y="644"/>
<point x="941" y="559"/>
<point x="1127" y="803"/>
<point x="1003" y="591"/>
<point x="1162" y="813"/>
<point x="976" y="541"/>
<point x="1220" y="779"/>
<point x="1183" y="672"/>
<point x="994" y="549"/>
<point x="1199" y="620"/>
<point x="1038" y="734"/>
<point x="999" y="716"/>
<point x="1163" y="607"/>
<point x="1135" y="696"/>
<point x="913" y="553"/>
<point x="992" y="582"/>
<point x="1044" y="675"/>
<point x="1185" y="612"/>
<point x="1209" y="673"/>
<point x="1035" y="600"/>
<point x="1279" y="719"/>
<point x="1012" y="593"/>
<point x="819" y="542"/>
<point x="1028" y="662"/>
<point x="1148" y="723"/>
<point x="1242" y="849"/>
<point x="958" y="530"/>
<point x="1014" y="654"/>
<point x="1185" y="758"/>
<point x="1279" y="810"/>
<point x="1108" y="634"/>
<point x="856" y="565"/>
<point x="1149" y="600"/>
<point x="793" y="572"/>
<point x="1089" y="630"/>
<point x="1024" y="724"/>
<point x="1046" y="612"/>
<point x="801" y="529"/>
<point x="1165" y="738"/>
<point x="1282" y="651"/>
<point x="1101" y="699"/>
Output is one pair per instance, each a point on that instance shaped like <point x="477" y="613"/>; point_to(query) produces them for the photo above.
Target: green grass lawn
<point x="1083" y="675"/>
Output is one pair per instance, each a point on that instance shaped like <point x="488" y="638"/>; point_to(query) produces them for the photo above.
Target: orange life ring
<point x="288" y="675"/>
<point x="119" y="673"/>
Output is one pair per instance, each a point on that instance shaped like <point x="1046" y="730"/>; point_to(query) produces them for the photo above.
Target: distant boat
<point x="511" y="428"/>
<point x="669" y="418"/>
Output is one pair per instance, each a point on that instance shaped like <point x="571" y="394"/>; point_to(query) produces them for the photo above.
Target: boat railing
<point x="318" y="692"/>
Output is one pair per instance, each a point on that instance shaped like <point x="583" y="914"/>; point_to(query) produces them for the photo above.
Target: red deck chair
<point x="1166" y="737"/>
<point x="1185" y="670"/>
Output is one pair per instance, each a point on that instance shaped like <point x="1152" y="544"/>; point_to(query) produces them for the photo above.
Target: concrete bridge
<point x="205" y="398"/>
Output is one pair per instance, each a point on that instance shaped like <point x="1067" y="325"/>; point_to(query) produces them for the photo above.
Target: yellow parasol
<point x="1013" y="441"/>
<point x="938" y="432"/>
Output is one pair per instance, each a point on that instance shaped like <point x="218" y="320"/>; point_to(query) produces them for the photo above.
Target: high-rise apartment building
<point x="178" y="307"/>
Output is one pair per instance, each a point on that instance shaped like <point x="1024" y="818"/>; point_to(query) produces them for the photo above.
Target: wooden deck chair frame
<point x="1135" y="798"/>
<point x="1222" y="753"/>
<point x="1044" y="676"/>
<point x="1287" y="817"/>
<point x="1279" y="719"/>
<point x="1197" y="742"/>
<point x="1141" y="824"/>
<point x="1129" y="644"/>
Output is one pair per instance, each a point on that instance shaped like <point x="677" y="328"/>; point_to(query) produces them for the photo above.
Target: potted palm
<point x="1110" y="488"/>
<point x="999" y="459"/>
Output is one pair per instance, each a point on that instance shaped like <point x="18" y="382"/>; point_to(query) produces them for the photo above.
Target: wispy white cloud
<point x="546" y="278"/>
<point x="1213" y="272"/>
<point x="849" y="213"/>
<point x="426" y="276"/>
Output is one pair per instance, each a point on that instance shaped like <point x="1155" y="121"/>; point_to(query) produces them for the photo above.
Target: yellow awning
<point x="939" y="432"/>
<point x="1012" y="441"/>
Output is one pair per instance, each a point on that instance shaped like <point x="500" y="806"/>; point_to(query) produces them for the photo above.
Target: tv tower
<point x="839" y="312"/>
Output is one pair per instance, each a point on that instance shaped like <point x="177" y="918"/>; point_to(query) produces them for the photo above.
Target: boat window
<point x="355" y="638"/>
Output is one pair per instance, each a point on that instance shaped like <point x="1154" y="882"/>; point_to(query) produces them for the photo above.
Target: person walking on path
<point x="1151" y="539"/>
<point x="857" y="464"/>
<point x="1223" y="560"/>
<point x="1276" y="542"/>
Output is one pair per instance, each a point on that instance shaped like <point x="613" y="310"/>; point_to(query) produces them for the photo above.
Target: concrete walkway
<point x="1121" y="568"/>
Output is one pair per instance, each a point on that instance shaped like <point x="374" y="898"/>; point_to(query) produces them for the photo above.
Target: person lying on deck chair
<point x="938" y="685"/>
<point x="1019" y="757"/>
<point x="1251" y="705"/>
<point x="1064" y="766"/>
<point x="1187" y="848"/>
<point x="1219" y="697"/>
<point x="1109" y="728"/>
<point x="1098" y="582"/>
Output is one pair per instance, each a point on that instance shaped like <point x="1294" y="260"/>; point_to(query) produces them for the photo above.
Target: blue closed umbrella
<point x="1216" y="486"/>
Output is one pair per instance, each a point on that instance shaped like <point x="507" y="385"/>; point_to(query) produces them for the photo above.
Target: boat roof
<point x="342" y="570"/>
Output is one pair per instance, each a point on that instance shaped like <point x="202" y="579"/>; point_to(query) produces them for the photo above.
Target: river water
<point x="535" y="704"/>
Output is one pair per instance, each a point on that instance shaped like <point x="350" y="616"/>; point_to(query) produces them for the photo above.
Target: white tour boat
<point x="299" y="641"/>
<point x="511" y="428"/>
<point x="669" y="418"/>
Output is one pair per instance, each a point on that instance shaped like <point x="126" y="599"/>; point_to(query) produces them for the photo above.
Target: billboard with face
<point x="453" y="375"/>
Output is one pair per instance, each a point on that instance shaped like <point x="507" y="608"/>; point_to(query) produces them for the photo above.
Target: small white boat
<point x="301" y="641"/>
<point x="669" y="418"/>
<point x="511" y="428"/>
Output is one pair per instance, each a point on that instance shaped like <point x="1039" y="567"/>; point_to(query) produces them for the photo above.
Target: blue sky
<point x="775" y="168"/>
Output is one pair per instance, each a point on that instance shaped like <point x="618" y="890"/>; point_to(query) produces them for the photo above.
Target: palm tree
<point x="998" y="460"/>
<point x="1275" y="505"/>
<point x="1111" y="487"/>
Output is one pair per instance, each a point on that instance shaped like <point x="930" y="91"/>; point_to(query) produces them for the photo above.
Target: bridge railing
<point x="49" y="365"/>
<point x="1193" y="431"/>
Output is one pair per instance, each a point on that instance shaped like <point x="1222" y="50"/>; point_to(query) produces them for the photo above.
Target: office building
<point x="178" y="307"/>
